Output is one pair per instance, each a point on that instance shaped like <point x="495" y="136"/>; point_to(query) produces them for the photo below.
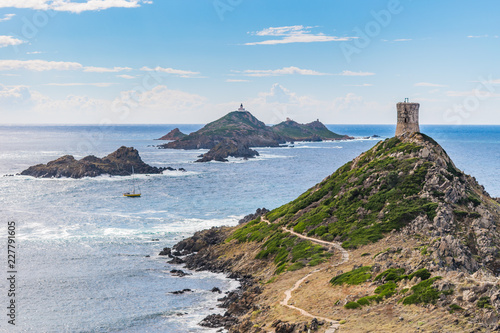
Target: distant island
<point x="238" y="131"/>
<point x="118" y="163"/>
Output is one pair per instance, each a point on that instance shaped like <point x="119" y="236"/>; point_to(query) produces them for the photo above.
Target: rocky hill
<point x="314" y="131"/>
<point x="174" y="134"/>
<point x="420" y="251"/>
<point x="118" y="163"/>
<point x="243" y="127"/>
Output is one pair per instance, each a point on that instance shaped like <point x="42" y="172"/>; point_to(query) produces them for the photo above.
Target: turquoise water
<point x="82" y="256"/>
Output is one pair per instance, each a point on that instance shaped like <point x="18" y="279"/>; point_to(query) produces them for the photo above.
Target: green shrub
<point x="363" y="301"/>
<point x="423" y="274"/>
<point x="423" y="292"/>
<point x="455" y="307"/>
<point x="484" y="303"/>
<point x="356" y="276"/>
<point x="352" y="305"/>
<point x="392" y="274"/>
<point x="296" y="266"/>
<point x="386" y="290"/>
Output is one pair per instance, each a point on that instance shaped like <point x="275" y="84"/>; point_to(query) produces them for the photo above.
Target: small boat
<point x="132" y="194"/>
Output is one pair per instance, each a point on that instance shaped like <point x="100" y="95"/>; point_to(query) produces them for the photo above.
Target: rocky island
<point x="118" y="163"/>
<point x="399" y="239"/>
<point x="174" y="134"/>
<point x="238" y="131"/>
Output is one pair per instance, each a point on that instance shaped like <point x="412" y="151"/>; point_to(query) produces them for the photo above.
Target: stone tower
<point x="407" y="118"/>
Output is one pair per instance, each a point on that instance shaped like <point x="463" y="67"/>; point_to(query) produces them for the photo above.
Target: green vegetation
<point x="455" y="307"/>
<point x="357" y="204"/>
<point x="356" y="276"/>
<point x="288" y="252"/>
<point x="392" y="274"/>
<point x="461" y="215"/>
<point x="423" y="292"/>
<point x="484" y="303"/>
<point x="352" y="305"/>
<point x="423" y="274"/>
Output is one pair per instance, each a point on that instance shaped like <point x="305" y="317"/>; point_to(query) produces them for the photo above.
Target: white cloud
<point x="282" y="71"/>
<point x="10" y="41"/>
<point x="294" y="34"/>
<point x="126" y="76"/>
<point x="428" y="84"/>
<point x="34" y="52"/>
<point x="477" y="36"/>
<point x="7" y="17"/>
<point x="177" y="72"/>
<point x="359" y="85"/>
<point x="44" y="65"/>
<point x="106" y="70"/>
<point x="237" y="80"/>
<point x="472" y="93"/>
<point x="71" y="6"/>
<point x="14" y="95"/>
<point x="38" y="65"/>
<point x="351" y="73"/>
<point x="397" y="40"/>
<point x="73" y="84"/>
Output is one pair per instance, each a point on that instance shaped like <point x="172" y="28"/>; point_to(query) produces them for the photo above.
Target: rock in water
<point x="228" y="148"/>
<point x="118" y="163"/>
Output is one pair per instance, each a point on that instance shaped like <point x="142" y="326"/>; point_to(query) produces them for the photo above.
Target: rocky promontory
<point x="420" y="252"/>
<point x="174" y="134"/>
<point x="118" y="163"/>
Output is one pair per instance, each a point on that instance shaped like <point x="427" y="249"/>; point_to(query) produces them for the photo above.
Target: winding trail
<point x="288" y="293"/>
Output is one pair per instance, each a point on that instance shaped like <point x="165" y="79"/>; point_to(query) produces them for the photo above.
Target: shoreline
<point x="196" y="253"/>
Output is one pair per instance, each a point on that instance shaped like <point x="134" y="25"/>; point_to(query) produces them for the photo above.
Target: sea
<point x="86" y="258"/>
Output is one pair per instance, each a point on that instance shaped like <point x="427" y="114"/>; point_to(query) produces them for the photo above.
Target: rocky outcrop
<point x="118" y="163"/>
<point x="259" y="212"/>
<point x="174" y="134"/>
<point x="228" y="148"/>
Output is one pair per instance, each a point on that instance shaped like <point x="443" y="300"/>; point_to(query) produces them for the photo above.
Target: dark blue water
<point x="83" y="247"/>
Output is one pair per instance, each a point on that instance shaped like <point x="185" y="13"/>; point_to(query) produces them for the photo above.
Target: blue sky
<point x="179" y="61"/>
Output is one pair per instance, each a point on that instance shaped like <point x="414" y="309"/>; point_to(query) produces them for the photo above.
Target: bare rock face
<point x="118" y="163"/>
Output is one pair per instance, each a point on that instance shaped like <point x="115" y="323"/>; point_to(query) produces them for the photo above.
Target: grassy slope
<point x="348" y="204"/>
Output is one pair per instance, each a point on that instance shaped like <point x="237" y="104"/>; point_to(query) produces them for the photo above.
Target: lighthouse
<point x="407" y="117"/>
<point x="241" y="108"/>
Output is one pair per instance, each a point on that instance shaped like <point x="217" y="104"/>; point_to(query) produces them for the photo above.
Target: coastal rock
<point x="179" y="273"/>
<point x="174" y="134"/>
<point x="179" y="292"/>
<point x="259" y="212"/>
<point x="228" y="148"/>
<point x="165" y="252"/>
<point x="217" y="320"/>
<point x="118" y="163"/>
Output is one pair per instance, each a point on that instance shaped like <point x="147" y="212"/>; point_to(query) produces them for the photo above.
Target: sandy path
<point x="288" y="293"/>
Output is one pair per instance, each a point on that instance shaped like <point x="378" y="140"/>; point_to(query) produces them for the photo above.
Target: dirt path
<point x="288" y="293"/>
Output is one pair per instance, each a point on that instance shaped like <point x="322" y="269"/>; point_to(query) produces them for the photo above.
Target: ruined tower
<point x="407" y="117"/>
